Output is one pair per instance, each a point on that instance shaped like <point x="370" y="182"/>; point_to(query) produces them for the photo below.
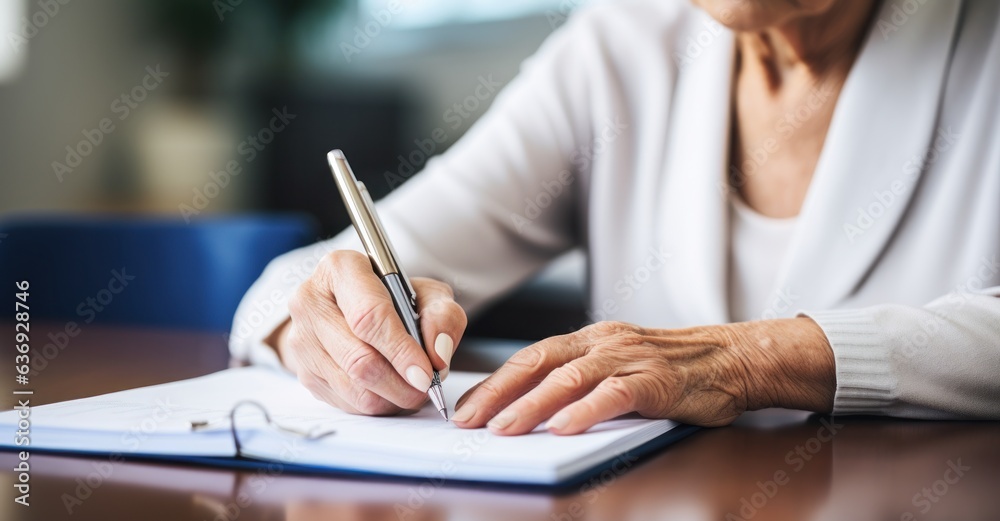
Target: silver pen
<point x="361" y="208"/>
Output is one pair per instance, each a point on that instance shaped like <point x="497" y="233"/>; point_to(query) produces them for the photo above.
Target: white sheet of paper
<point x="157" y="420"/>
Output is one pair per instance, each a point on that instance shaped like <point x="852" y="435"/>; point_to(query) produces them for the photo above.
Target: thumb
<point x="442" y="320"/>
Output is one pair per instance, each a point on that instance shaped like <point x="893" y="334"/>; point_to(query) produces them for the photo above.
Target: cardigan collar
<point x="882" y="134"/>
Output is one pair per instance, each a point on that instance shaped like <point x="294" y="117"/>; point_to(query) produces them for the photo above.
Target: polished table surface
<point x="774" y="464"/>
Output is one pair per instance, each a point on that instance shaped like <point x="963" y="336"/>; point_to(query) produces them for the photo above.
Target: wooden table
<point x="773" y="464"/>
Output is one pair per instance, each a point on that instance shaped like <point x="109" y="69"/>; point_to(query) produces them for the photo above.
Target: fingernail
<point x="442" y="374"/>
<point x="445" y="347"/>
<point x="502" y="420"/>
<point x="464" y="414"/>
<point x="559" y="421"/>
<point x="418" y="378"/>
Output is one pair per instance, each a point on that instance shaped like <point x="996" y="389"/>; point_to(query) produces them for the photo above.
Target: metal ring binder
<point x="197" y="425"/>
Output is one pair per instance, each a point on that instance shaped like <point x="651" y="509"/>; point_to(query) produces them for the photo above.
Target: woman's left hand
<point x="704" y="376"/>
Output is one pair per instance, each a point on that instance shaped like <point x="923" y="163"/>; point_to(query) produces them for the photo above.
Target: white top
<point x="758" y="245"/>
<point x="614" y="137"/>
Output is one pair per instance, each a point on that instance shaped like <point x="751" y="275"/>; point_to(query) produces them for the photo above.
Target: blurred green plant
<point x="200" y="25"/>
<point x="200" y="29"/>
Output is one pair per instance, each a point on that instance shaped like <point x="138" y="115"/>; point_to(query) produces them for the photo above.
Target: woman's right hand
<point x="348" y="346"/>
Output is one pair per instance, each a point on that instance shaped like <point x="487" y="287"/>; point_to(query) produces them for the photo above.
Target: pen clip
<point x="361" y="209"/>
<point x="369" y="208"/>
<point x="362" y="215"/>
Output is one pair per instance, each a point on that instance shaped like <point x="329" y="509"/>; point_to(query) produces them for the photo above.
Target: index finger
<point x="372" y="317"/>
<point x="521" y="373"/>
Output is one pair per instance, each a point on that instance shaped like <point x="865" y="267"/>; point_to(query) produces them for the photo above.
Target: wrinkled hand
<point x="705" y="376"/>
<point x="348" y="346"/>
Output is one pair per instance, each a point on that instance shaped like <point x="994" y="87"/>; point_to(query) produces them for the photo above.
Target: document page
<point x="157" y="421"/>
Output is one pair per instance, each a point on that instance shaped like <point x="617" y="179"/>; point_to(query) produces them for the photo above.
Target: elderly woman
<point x="783" y="204"/>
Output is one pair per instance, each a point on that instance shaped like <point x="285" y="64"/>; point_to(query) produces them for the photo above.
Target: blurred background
<point x="195" y="109"/>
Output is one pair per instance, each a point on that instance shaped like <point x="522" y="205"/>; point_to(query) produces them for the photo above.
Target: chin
<point x="755" y="15"/>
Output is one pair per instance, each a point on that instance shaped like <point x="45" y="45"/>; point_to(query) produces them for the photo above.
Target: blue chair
<point x="142" y="271"/>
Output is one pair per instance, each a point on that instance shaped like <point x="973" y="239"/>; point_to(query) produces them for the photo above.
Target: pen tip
<point x="335" y="154"/>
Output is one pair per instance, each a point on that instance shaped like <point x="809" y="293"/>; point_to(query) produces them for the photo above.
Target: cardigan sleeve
<point x="485" y="215"/>
<point x="938" y="361"/>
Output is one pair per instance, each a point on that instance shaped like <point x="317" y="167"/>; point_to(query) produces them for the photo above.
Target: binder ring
<point x="197" y="425"/>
